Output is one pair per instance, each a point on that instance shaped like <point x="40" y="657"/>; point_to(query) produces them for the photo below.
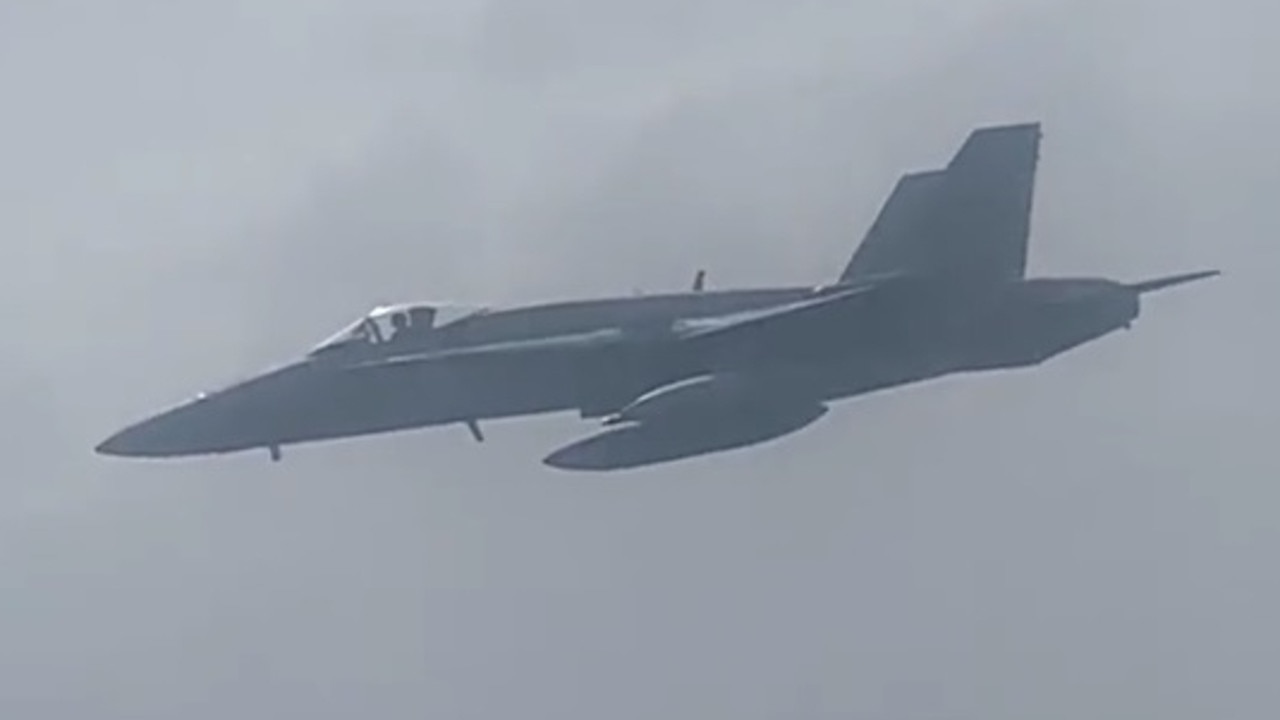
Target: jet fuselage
<point x="905" y="331"/>
<point x="936" y="286"/>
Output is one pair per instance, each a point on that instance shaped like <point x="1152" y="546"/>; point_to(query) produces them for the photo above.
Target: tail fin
<point x="893" y="243"/>
<point x="1168" y="281"/>
<point x="968" y="222"/>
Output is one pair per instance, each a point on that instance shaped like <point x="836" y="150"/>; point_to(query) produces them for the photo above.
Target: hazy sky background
<point x="189" y="191"/>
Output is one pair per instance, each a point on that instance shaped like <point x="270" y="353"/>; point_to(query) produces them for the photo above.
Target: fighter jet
<point x="936" y="287"/>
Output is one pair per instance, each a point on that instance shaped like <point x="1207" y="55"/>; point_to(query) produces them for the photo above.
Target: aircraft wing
<point x="968" y="222"/>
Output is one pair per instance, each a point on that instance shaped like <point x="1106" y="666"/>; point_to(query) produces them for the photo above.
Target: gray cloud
<point x="191" y="192"/>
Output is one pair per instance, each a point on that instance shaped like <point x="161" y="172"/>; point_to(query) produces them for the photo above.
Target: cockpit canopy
<point x="406" y="323"/>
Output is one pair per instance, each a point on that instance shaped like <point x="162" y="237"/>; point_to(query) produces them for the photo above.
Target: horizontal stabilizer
<point x="1147" y="286"/>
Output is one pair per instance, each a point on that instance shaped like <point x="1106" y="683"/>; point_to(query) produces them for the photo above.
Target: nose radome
<point x="146" y="438"/>
<point x="185" y="430"/>
<point x="115" y="445"/>
<point x="236" y="417"/>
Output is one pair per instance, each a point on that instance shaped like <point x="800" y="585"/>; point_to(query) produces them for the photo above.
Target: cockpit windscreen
<point x="399" y="323"/>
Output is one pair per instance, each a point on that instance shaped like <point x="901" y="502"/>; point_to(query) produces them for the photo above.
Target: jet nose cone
<point x="115" y="445"/>
<point x="186" y="430"/>
<point x="134" y="441"/>
<point x="248" y="414"/>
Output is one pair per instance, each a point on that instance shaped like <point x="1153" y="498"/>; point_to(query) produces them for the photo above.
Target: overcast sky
<point x="190" y="191"/>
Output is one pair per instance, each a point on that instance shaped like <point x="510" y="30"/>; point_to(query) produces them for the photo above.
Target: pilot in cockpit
<point x="399" y="325"/>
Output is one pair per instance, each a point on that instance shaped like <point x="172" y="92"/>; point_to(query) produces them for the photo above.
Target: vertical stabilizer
<point x="967" y="223"/>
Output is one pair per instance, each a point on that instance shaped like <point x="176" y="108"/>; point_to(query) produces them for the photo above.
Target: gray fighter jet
<point x="938" y="286"/>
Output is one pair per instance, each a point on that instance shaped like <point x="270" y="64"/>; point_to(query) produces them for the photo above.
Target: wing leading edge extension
<point x="795" y="322"/>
